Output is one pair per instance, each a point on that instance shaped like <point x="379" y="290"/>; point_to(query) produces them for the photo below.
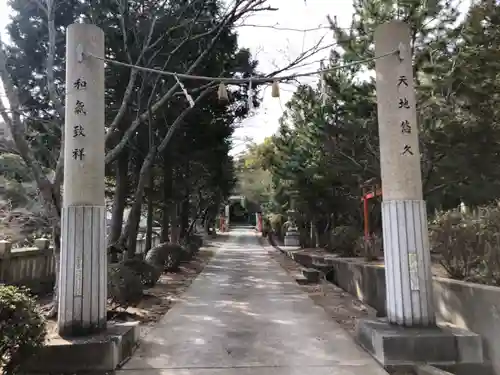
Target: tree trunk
<point x="199" y="214"/>
<point x="184" y="217"/>
<point x="167" y="197"/>
<point x="175" y="232"/>
<point x="56" y="234"/>
<point x="165" y="222"/>
<point x="149" y="226"/>
<point x="119" y="200"/>
<point x="129" y="234"/>
<point x="313" y="234"/>
<point x="133" y="221"/>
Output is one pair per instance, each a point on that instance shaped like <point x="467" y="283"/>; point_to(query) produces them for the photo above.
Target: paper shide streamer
<point x="250" y="96"/>
<point x="222" y="92"/>
<point x="189" y="98"/>
<point x="275" y="89"/>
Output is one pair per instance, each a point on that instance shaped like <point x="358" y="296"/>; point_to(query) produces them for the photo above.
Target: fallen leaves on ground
<point x="157" y="301"/>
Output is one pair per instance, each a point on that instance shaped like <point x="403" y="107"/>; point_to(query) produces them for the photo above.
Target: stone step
<point x="465" y="369"/>
<point x="323" y="267"/>
<point x="311" y="274"/>
<point x="300" y="279"/>
<point x="431" y="370"/>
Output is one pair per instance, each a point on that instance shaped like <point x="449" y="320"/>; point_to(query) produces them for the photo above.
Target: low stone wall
<point x="470" y="306"/>
<point x="34" y="267"/>
<point x="474" y="307"/>
<point x="31" y="266"/>
<point x="364" y="281"/>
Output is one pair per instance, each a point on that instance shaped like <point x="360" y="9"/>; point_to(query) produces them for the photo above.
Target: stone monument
<point x="83" y="267"/>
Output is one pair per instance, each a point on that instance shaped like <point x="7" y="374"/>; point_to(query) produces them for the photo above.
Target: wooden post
<point x="83" y="271"/>
<point x="404" y="217"/>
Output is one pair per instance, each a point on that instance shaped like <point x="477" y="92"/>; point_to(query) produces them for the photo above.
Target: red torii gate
<point x="370" y="190"/>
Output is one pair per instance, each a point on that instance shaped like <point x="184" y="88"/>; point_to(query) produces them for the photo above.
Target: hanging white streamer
<point x="186" y="94"/>
<point x="250" y="96"/>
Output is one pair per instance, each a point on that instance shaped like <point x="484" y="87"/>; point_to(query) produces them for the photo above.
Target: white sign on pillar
<point x="404" y="217"/>
<point x="83" y="269"/>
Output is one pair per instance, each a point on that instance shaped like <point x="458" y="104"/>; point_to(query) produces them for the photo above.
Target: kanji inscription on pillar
<point x="85" y="140"/>
<point x="400" y="155"/>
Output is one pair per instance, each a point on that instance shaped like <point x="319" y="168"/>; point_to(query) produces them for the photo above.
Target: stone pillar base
<point x="292" y="238"/>
<point x="83" y="272"/>
<point x="407" y="263"/>
<point x="402" y="349"/>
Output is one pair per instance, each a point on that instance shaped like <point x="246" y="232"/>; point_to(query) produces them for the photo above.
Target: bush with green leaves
<point x="266" y="226"/>
<point x="125" y="286"/>
<point x="149" y="274"/>
<point x="191" y="245"/>
<point x="468" y="244"/>
<point x="22" y="328"/>
<point x="197" y="240"/>
<point x="192" y="248"/>
<point x="166" y="256"/>
<point x="276" y="222"/>
<point x="370" y="248"/>
<point x="343" y="240"/>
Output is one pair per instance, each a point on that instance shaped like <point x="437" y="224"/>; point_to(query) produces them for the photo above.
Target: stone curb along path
<point x="245" y="315"/>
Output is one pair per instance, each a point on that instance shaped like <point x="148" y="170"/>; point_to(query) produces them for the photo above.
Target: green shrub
<point x="468" y="244"/>
<point x="343" y="240"/>
<point x="192" y="248"/>
<point x="191" y="245"/>
<point x="276" y="221"/>
<point x="196" y="240"/>
<point x="266" y="226"/>
<point x="125" y="287"/>
<point x="149" y="274"/>
<point x="22" y="328"/>
<point x="166" y="256"/>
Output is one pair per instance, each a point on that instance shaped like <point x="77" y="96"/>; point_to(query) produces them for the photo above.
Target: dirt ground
<point x="341" y="306"/>
<point x="156" y="301"/>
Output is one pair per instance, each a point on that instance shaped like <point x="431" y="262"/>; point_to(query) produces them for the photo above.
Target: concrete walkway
<point x="244" y="315"/>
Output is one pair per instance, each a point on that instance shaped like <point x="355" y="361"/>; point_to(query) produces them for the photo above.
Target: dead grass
<point x="341" y="306"/>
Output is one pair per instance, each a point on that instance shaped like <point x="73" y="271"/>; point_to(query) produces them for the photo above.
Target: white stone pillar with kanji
<point x="83" y="268"/>
<point x="404" y="217"/>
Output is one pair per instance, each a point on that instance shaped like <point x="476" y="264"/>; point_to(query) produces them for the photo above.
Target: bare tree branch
<point x="113" y="154"/>
<point x="148" y="162"/>
<point x="278" y="28"/>
<point x="133" y="72"/>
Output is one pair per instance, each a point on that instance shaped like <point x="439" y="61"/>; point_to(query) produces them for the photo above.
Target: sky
<point x="276" y="48"/>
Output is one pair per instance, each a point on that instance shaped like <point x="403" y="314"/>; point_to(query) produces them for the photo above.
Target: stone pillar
<point x="404" y="217"/>
<point x="83" y="270"/>
<point x="227" y="213"/>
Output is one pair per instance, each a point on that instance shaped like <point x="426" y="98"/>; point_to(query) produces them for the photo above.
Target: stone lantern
<point x="292" y="236"/>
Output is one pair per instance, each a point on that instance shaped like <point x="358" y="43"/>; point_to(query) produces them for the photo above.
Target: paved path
<point x="244" y="315"/>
